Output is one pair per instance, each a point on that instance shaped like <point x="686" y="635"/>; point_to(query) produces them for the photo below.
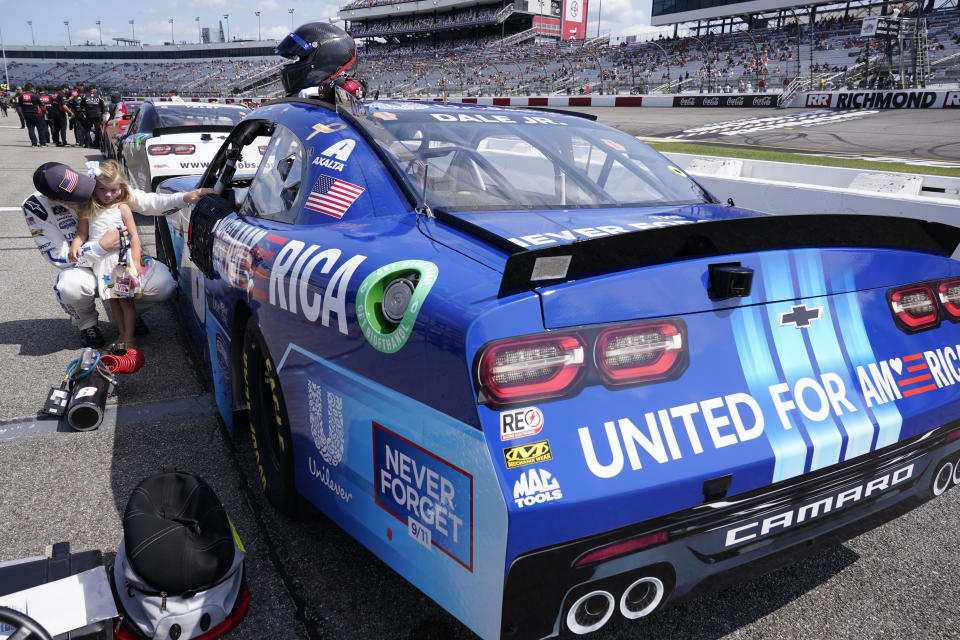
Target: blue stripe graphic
<point x="824" y="435"/>
<point x="858" y="427"/>
<point x="850" y="317"/>
<point x="760" y="371"/>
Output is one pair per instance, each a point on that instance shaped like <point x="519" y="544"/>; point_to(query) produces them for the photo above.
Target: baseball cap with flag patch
<point x="59" y="182"/>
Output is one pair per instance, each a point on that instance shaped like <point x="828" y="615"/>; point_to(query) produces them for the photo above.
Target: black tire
<point x="165" y="251"/>
<point x="269" y="425"/>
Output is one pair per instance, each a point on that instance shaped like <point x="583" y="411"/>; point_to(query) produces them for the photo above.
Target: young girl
<point x="106" y="210"/>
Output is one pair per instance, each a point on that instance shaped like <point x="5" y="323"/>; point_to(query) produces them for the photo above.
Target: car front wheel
<point x="269" y="425"/>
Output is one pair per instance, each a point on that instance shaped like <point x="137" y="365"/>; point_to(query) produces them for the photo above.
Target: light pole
<point x="100" y="30"/>
<point x="30" y="22"/>
<point x="709" y="63"/>
<point x="199" y="33"/>
<point x="66" y="23"/>
<point x="666" y="59"/>
<point x="133" y="34"/>
<point x="290" y="11"/>
<point x="599" y="7"/>
<point x="257" y="13"/>
<point x="3" y="49"/>
<point x="226" y="17"/>
<point x="172" y="41"/>
<point x="756" y="57"/>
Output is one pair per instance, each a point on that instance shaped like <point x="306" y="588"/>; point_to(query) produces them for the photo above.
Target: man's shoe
<point x="91" y="337"/>
<point x="141" y="328"/>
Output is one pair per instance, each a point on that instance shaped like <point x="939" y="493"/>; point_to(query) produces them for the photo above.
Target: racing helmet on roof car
<point x="319" y="51"/>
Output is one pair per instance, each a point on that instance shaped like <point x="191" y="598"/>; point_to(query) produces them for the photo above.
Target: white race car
<point x="168" y="139"/>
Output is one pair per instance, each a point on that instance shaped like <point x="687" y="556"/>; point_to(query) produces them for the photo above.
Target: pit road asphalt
<point x="310" y="580"/>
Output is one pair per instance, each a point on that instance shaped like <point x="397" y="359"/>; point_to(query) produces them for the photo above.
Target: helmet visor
<point x="293" y="47"/>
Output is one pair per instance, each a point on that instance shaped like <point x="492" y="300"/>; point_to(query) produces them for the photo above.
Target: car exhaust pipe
<point x="642" y="597"/>
<point x="943" y="478"/>
<point x="956" y="472"/>
<point x="590" y="612"/>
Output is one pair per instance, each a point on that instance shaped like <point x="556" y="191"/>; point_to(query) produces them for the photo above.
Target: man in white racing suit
<point x="51" y="216"/>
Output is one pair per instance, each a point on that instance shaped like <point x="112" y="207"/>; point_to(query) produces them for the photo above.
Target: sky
<point x="151" y="20"/>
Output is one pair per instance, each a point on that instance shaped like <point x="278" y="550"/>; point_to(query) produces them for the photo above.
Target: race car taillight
<point x="543" y="366"/>
<point x="914" y="307"/>
<point x="622" y="548"/>
<point x="949" y="293"/>
<point x="639" y="352"/>
<point x="184" y="149"/>
<point x="158" y="149"/>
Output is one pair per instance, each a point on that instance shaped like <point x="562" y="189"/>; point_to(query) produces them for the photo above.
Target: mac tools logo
<point x="535" y="487"/>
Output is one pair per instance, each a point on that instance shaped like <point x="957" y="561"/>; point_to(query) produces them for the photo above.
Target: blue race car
<point x="521" y="355"/>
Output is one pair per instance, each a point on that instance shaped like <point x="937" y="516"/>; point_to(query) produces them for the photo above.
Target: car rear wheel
<point x="269" y="425"/>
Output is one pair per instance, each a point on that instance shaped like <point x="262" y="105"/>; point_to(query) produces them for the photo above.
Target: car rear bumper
<point x="574" y="584"/>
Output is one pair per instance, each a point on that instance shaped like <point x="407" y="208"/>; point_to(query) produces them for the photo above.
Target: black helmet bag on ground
<point x="179" y="571"/>
<point x="319" y="51"/>
<point x="177" y="534"/>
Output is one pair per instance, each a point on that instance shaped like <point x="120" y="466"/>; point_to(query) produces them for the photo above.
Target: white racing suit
<point x="53" y="224"/>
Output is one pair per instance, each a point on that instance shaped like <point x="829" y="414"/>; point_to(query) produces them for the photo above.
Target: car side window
<point x="276" y="187"/>
<point x="134" y="123"/>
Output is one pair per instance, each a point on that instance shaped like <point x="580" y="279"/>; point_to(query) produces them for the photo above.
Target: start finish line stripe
<point x="118" y="416"/>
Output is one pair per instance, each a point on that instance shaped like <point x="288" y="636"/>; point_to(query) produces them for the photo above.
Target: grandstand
<point x="207" y="70"/>
<point x="527" y="47"/>
<point x="415" y="48"/>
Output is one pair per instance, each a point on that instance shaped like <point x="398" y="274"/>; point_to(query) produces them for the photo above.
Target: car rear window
<point x="462" y="157"/>
<point x="180" y="115"/>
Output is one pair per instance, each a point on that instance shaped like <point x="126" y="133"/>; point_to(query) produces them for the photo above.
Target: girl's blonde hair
<point x="110" y="171"/>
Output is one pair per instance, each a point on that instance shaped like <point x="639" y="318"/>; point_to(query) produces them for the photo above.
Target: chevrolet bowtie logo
<point x="800" y="317"/>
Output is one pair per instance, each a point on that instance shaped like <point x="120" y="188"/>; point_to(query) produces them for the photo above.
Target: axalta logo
<point x="520" y="423"/>
<point x="535" y="487"/>
<point x="818" y="99"/>
<point x="951" y="100"/>
<point x="816" y="508"/>
<point x="525" y="454"/>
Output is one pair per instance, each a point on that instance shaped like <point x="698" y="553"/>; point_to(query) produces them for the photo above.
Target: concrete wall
<point x="782" y="188"/>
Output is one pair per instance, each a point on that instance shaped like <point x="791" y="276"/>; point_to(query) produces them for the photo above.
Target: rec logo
<point x="524" y="454"/>
<point x="818" y="99"/>
<point x="951" y="100"/>
<point x="520" y="423"/>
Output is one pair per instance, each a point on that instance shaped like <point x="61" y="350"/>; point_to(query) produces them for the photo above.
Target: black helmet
<point x="319" y="51"/>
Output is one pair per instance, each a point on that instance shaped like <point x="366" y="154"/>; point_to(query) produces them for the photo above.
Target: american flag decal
<point x="69" y="182"/>
<point x="332" y="197"/>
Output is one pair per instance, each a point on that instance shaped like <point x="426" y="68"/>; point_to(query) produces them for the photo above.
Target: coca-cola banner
<point x="574" y="20"/>
<point x="737" y="100"/>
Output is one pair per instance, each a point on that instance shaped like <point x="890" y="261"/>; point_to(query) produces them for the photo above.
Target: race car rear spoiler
<point x="595" y="256"/>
